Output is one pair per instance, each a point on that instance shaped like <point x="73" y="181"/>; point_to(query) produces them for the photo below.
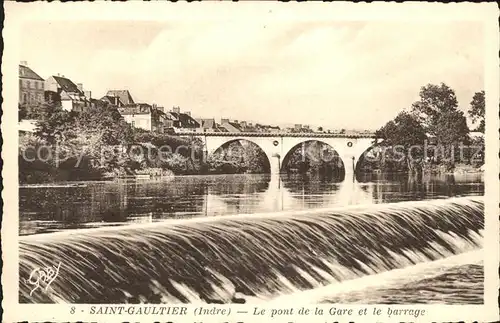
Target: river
<point x="83" y="205"/>
<point x="47" y="209"/>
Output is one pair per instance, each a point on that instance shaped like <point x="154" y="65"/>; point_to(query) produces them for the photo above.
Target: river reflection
<point x="93" y="204"/>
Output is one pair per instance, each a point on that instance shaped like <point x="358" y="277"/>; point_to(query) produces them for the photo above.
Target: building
<point x="182" y="121"/>
<point x="207" y="125"/>
<point x="27" y="126"/>
<point x="230" y="126"/>
<point x="273" y="129"/>
<point x="266" y="128"/>
<point x="99" y="103"/>
<point x="119" y="97"/>
<point x="145" y="116"/>
<point x="164" y="122"/>
<point x="72" y="97"/>
<point x="299" y="128"/>
<point x="116" y="99"/>
<point x="112" y="101"/>
<point x="247" y="127"/>
<point x="31" y="87"/>
<point x="138" y="115"/>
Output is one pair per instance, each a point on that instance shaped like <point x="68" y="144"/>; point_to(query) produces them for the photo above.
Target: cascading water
<point x="270" y="255"/>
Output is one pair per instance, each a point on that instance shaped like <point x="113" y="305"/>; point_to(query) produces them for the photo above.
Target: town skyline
<point x="268" y="71"/>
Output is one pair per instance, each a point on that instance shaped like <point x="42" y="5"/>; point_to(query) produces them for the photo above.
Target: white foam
<point x="385" y="279"/>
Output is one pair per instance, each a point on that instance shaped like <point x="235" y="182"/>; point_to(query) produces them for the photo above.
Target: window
<point x="25" y="97"/>
<point x="20" y="84"/>
<point x="28" y="84"/>
<point x="133" y="123"/>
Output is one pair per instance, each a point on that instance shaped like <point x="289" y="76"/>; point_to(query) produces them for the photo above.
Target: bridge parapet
<point x="278" y="134"/>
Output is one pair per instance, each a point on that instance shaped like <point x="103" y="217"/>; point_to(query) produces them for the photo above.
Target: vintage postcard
<point x="255" y="161"/>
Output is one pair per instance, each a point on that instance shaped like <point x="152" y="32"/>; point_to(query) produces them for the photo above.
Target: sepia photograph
<point x="251" y="161"/>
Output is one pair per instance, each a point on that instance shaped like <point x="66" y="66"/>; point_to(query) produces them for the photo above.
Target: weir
<point x="265" y="255"/>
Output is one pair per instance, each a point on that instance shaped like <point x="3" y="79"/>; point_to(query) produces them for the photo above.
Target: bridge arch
<point x="303" y="153"/>
<point x="369" y="161"/>
<point x="349" y="148"/>
<point x="248" y="151"/>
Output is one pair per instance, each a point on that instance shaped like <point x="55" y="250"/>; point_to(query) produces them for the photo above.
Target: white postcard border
<point x="17" y="13"/>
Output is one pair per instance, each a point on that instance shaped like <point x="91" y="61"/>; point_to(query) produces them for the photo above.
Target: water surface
<point x="91" y="204"/>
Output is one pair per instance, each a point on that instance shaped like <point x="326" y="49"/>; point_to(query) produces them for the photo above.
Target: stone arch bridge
<point x="276" y="146"/>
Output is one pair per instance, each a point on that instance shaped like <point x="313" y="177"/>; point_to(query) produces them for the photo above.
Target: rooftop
<point x="124" y="95"/>
<point x="26" y="72"/>
<point x="67" y="85"/>
<point x="206" y="123"/>
<point x="185" y="119"/>
<point x="112" y="100"/>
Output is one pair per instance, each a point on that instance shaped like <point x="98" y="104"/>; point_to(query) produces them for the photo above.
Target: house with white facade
<point x="72" y="96"/>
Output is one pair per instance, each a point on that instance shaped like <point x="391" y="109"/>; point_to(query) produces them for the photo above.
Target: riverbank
<point x="468" y="169"/>
<point x="456" y="169"/>
<point x="47" y="175"/>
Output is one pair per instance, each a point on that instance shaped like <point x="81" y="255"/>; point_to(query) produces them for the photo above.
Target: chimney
<point x="176" y="110"/>
<point x="154" y="105"/>
<point x="188" y="113"/>
<point x="88" y="94"/>
<point x="243" y="124"/>
<point x="222" y="121"/>
<point x="235" y="121"/>
<point x="24" y="63"/>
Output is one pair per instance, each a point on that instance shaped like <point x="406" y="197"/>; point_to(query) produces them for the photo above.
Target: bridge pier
<point x="349" y="165"/>
<point x="275" y="164"/>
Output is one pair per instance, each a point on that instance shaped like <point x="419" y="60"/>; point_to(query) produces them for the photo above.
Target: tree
<point x="238" y="157"/>
<point x="176" y="163"/>
<point x="255" y="160"/>
<point x="437" y="111"/>
<point x="434" y="100"/>
<point x="108" y="123"/>
<point x="22" y="112"/>
<point x="312" y="157"/>
<point x="476" y="111"/>
<point x="403" y="132"/>
<point x="55" y="124"/>
<point x="451" y="128"/>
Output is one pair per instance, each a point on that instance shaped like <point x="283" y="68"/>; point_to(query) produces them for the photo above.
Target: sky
<point x="351" y="75"/>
